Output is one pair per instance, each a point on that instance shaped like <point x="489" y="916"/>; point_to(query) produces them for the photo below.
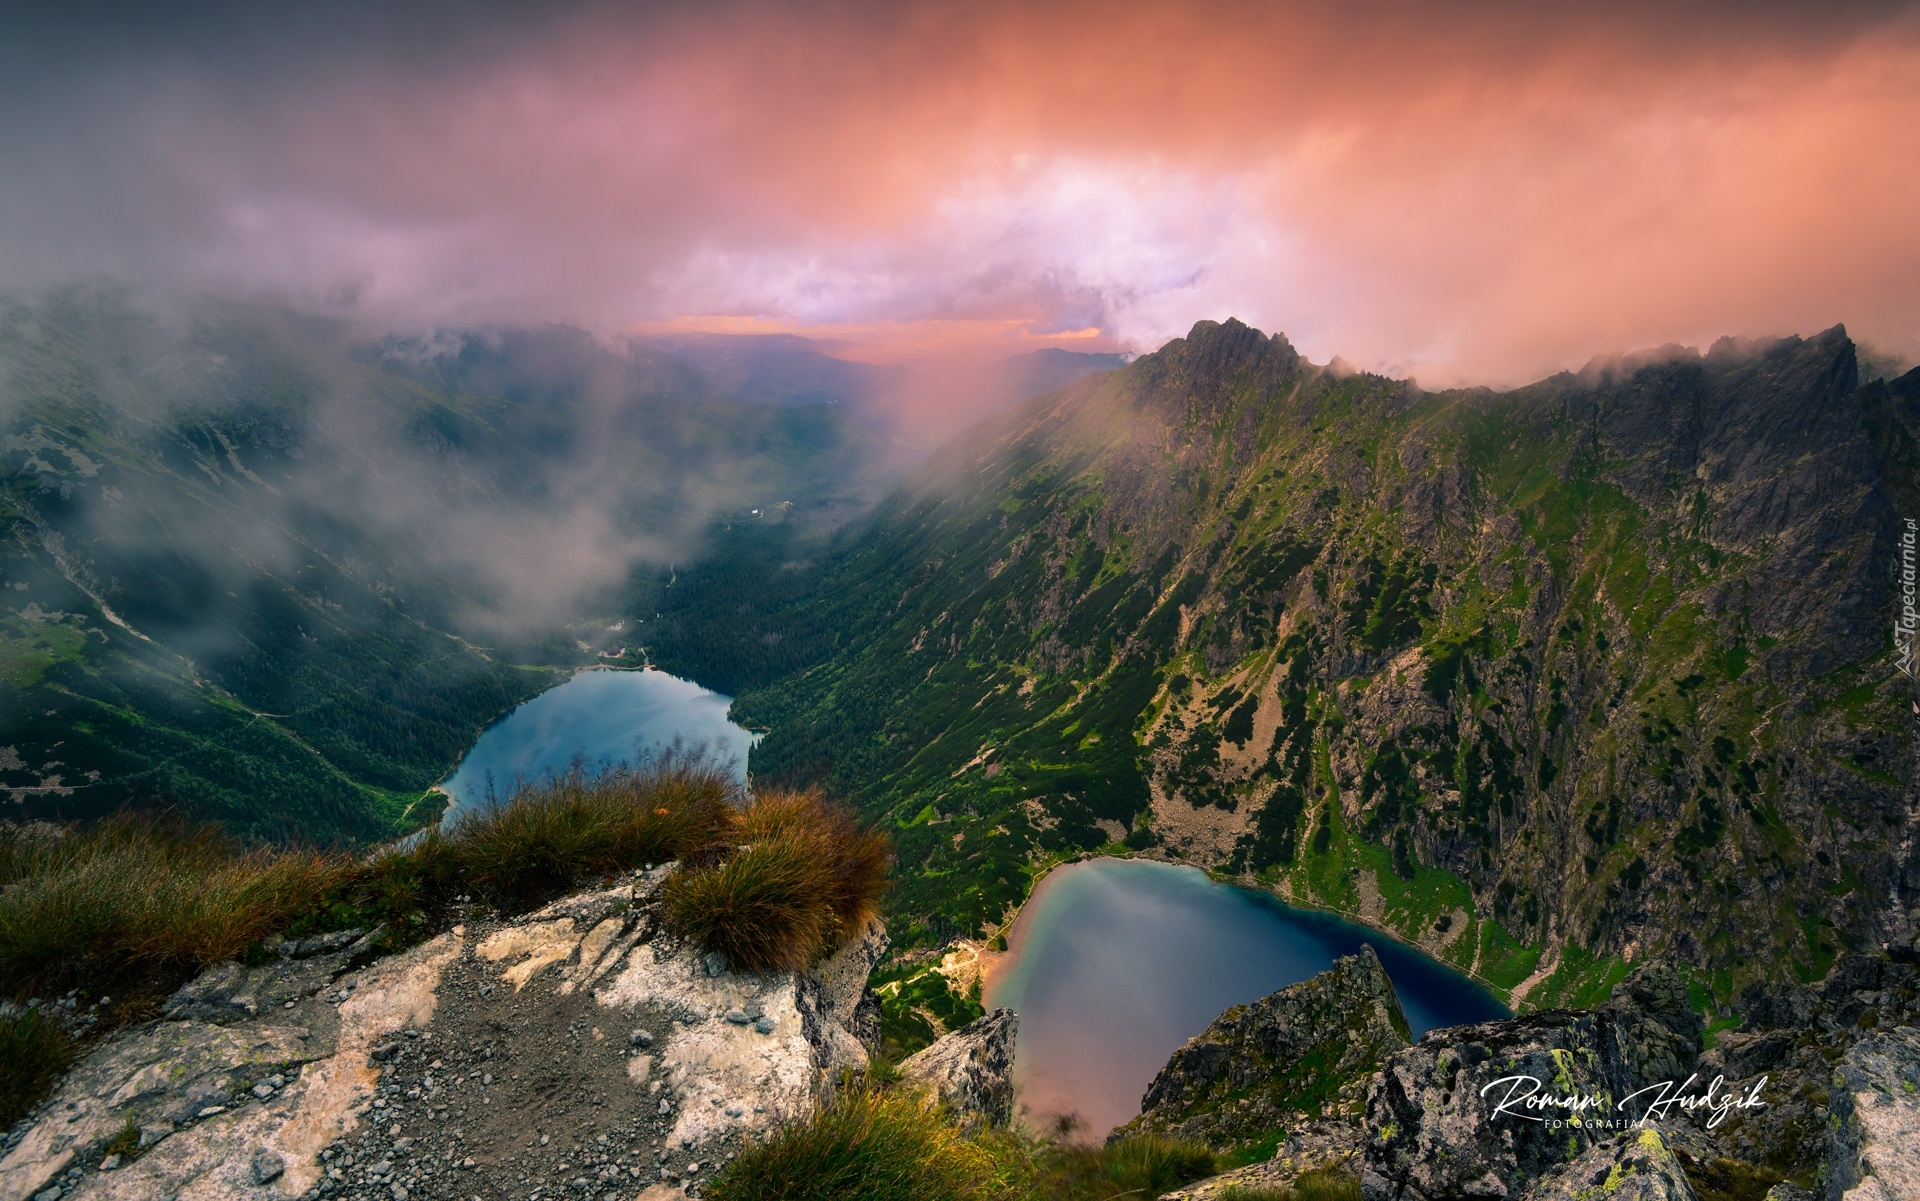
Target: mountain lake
<point x="599" y="718"/>
<point x="1117" y="962"/>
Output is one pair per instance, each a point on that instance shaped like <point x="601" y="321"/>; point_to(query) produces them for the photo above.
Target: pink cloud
<point x="1485" y="193"/>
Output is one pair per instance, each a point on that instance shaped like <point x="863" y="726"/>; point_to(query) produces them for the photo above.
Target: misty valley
<point x="263" y="573"/>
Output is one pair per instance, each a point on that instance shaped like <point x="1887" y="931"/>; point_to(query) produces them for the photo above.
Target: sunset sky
<point x="1463" y="192"/>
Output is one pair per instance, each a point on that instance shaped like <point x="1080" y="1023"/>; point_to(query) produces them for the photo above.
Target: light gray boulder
<point x="242" y="1102"/>
<point x="1874" y="1140"/>
<point x="971" y="1069"/>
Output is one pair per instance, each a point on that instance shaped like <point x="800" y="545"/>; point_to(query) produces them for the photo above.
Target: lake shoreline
<point x="1003" y="961"/>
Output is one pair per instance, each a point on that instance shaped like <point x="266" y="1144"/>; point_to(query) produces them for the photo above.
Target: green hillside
<point x="1540" y="680"/>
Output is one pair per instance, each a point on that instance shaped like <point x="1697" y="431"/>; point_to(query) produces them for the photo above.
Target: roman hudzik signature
<point x="1525" y="1097"/>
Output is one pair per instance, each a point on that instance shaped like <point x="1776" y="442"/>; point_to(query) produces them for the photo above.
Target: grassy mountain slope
<point x="1540" y="680"/>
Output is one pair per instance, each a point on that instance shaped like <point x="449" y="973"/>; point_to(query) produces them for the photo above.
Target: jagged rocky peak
<point x="1194" y="377"/>
<point x="578" y="1049"/>
<point x="1304" y="1053"/>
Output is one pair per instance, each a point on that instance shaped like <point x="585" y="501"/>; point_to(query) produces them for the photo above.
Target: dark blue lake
<point x="597" y="718"/>
<point x="1118" y="962"/>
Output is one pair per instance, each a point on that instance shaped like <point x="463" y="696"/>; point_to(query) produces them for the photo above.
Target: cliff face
<point x="1300" y="1054"/>
<point x="1544" y="680"/>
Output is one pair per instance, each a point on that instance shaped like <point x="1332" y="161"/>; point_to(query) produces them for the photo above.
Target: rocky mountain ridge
<point x="1816" y="1094"/>
<point x="1546" y="682"/>
<point x="1296" y="1056"/>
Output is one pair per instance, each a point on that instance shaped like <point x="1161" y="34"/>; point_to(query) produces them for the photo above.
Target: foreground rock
<point x="1435" y="1124"/>
<point x="1629" y="1167"/>
<point x="1875" y="1142"/>
<point x="971" y="1069"/>
<point x="576" y="1051"/>
<point x="1306" y="1052"/>
<point x="1795" y="1035"/>
<point x="1816" y="1097"/>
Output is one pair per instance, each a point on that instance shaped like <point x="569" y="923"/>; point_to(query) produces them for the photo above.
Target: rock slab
<point x="1874" y="1144"/>
<point x="971" y="1069"/>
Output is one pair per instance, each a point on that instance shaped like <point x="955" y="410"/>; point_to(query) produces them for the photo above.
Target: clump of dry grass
<point x="886" y="1141"/>
<point x="554" y="833"/>
<point x="877" y="1146"/>
<point x="805" y="876"/>
<point x="138" y="903"/>
<point x="1321" y="1184"/>
<point x="137" y="896"/>
<point x="1144" y="1165"/>
<point x="33" y="1053"/>
<point x="854" y="859"/>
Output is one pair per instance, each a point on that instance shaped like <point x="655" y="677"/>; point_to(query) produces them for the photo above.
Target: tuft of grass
<point x="886" y="1141"/>
<point x="133" y="898"/>
<point x="552" y="834"/>
<point x="34" y="1052"/>
<point x="855" y="858"/>
<point x="878" y="1146"/>
<point x="1142" y="1166"/>
<point x="805" y="876"/>
<point x="536" y="845"/>
<point x="136" y="904"/>
<point x="1321" y="1184"/>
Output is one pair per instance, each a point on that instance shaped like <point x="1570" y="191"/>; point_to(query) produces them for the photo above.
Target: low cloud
<point x="503" y="482"/>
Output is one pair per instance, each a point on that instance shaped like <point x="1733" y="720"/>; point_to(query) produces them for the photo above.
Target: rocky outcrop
<point x="1305" y="1052"/>
<point x="1631" y="1167"/>
<point x="299" y="968"/>
<point x="577" y="1049"/>
<point x="185" y="1107"/>
<point x="1794" y="1035"/>
<point x="1874" y="1145"/>
<point x="971" y="1069"/>
<point x="1452" y="1116"/>
<point x="1816" y="1096"/>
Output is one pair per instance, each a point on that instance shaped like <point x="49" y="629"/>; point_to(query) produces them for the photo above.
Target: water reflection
<point x="1119" y="962"/>
<point x="598" y="717"/>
